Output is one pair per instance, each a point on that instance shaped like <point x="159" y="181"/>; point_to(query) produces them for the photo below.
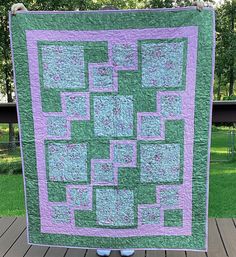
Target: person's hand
<point x="17" y="7"/>
<point x="199" y="5"/>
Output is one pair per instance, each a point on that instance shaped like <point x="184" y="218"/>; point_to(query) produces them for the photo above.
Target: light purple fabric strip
<point x="188" y="96"/>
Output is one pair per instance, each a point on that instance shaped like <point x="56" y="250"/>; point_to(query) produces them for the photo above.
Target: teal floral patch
<point x="162" y="64"/>
<point x="63" y="66"/>
<point x="61" y="214"/>
<point x="56" y="126"/>
<point x="103" y="172"/>
<point x="113" y="115"/>
<point x="124" y="55"/>
<point x="150" y="215"/>
<point x="79" y="197"/>
<point x="102" y="77"/>
<point x="150" y="126"/>
<point x="160" y="162"/>
<point x="169" y="196"/>
<point x="115" y="207"/>
<point x="171" y="105"/>
<point x="67" y="162"/>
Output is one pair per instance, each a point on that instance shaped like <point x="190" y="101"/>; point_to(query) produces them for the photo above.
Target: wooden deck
<point x="222" y="243"/>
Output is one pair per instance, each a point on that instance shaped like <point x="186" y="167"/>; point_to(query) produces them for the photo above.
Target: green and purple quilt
<point x="114" y="109"/>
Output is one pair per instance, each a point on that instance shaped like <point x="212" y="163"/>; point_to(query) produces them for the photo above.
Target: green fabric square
<point x="173" y="218"/>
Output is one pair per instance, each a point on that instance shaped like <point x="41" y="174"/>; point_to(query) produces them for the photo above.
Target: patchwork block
<point x="150" y="215"/>
<point x="113" y="116"/>
<point x="124" y="55"/>
<point x="115" y="207"/>
<point x="162" y="64"/>
<point x="103" y="172"/>
<point x="61" y="214"/>
<point x="67" y="162"/>
<point x="173" y="218"/>
<point x="77" y="106"/>
<point x="171" y="105"/>
<point x="101" y="78"/>
<point x="80" y="197"/>
<point x="56" y="126"/>
<point x="63" y="66"/>
<point x="150" y="126"/>
<point x="159" y="162"/>
<point x="169" y="196"/>
<point x="124" y="153"/>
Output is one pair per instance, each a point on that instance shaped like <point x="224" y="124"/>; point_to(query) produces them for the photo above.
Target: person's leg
<point x="103" y="252"/>
<point x="126" y="252"/>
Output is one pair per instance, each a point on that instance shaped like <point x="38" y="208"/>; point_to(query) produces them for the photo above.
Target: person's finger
<point x="199" y="5"/>
<point x="17" y="7"/>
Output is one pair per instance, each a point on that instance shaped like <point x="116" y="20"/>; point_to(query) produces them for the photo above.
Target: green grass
<point x="222" y="195"/>
<point x="10" y="161"/>
<point x="12" y="195"/>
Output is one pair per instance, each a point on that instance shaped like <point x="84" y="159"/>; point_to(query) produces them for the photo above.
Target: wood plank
<point x="19" y="248"/>
<point x="196" y="254"/>
<point x="36" y="251"/>
<point x="5" y="223"/>
<point x="91" y="253"/>
<point x="234" y="222"/>
<point x="114" y="254"/>
<point x="75" y="252"/>
<point x="215" y="245"/>
<point x="228" y="233"/>
<point x="56" y="252"/>
<point x="11" y="235"/>
<point x="155" y="253"/>
<point x="175" y="254"/>
<point x="139" y="253"/>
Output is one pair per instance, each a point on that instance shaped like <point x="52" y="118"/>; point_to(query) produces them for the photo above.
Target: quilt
<point x="114" y="110"/>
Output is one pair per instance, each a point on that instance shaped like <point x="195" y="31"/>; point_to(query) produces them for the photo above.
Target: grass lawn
<point x="222" y="197"/>
<point x="12" y="195"/>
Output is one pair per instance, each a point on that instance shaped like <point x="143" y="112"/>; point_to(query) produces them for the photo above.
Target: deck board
<point x="196" y="254"/>
<point x="19" y="248"/>
<point x="13" y="243"/>
<point x="215" y="244"/>
<point x="75" y="252"/>
<point x="36" y="251"/>
<point x="153" y="253"/>
<point x="11" y="235"/>
<point x="5" y="223"/>
<point x="175" y="254"/>
<point x="56" y="252"/>
<point x="91" y="253"/>
<point x="228" y="233"/>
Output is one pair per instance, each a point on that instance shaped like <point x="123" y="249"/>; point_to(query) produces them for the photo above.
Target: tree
<point x="226" y="46"/>
<point x="6" y="81"/>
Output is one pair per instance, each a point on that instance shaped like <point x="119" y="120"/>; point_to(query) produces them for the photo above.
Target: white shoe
<point x="103" y="252"/>
<point x="126" y="252"/>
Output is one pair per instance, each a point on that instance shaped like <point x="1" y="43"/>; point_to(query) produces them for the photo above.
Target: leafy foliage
<point x="225" y="36"/>
<point x="225" y="48"/>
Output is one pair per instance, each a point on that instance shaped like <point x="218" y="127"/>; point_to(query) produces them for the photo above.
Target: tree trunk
<point x="231" y="71"/>
<point x="12" y="143"/>
<point x="219" y="88"/>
